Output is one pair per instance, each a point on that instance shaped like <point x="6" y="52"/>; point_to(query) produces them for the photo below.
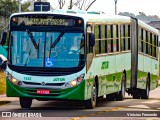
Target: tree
<point x="7" y="7"/>
<point x="80" y="4"/>
<point x="86" y="4"/>
<point x="61" y="3"/>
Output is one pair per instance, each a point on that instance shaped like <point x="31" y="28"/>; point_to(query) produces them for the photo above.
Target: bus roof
<point x="92" y="16"/>
<point x="87" y="16"/>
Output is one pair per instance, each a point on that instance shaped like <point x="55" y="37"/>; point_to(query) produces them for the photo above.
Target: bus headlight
<point x="14" y="80"/>
<point x="75" y="82"/>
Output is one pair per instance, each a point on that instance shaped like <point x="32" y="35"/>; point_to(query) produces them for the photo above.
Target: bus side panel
<point x="123" y="63"/>
<point x="120" y="63"/>
<point x="141" y="80"/>
<point x="127" y="67"/>
<point x="154" y="74"/>
<point x="104" y="68"/>
<point x="106" y="74"/>
<point x="109" y="69"/>
<point x="147" y="65"/>
<point x="147" y="69"/>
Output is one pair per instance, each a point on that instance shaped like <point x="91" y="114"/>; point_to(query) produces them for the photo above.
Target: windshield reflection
<point x="52" y="50"/>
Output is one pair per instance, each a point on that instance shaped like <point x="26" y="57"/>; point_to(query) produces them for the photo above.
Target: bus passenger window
<point x="129" y="30"/>
<point x="122" y="40"/>
<point x="142" y="40"/>
<point x="114" y="46"/>
<point x="97" y="38"/>
<point x="146" y="42"/>
<point x="109" y="46"/>
<point x="115" y="38"/>
<point x="103" y="39"/>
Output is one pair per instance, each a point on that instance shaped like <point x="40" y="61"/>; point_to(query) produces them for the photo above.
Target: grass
<point x="2" y="83"/>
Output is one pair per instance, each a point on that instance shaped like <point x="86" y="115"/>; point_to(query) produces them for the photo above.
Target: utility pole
<point x="115" y="7"/>
<point x="19" y="5"/>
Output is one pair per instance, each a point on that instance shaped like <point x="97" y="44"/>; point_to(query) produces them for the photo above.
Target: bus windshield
<point x="53" y="49"/>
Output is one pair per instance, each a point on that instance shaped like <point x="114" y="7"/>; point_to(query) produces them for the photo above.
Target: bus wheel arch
<point x="121" y="94"/>
<point x="91" y="103"/>
<point x="145" y="94"/>
<point x="97" y="84"/>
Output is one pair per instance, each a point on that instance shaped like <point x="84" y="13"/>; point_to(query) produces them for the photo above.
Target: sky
<point x="149" y="7"/>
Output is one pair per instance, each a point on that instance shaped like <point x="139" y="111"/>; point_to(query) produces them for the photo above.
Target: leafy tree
<point x="61" y="3"/>
<point x="80" y="4"/>
<point x="7" y="7"/>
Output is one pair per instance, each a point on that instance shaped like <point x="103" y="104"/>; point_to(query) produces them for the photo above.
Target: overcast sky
<point x="149" y="7"/>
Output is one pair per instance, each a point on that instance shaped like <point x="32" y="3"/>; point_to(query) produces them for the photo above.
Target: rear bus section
<point x="145" y="64"/>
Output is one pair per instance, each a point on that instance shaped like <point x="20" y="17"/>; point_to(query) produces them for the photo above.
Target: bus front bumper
<point x="73" y="93"/>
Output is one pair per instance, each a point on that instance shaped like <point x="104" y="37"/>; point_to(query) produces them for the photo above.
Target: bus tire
<point x="91" y="103"/>
<point x="121" y="95"/>
<point x="145" y="93"/>
<point x="25" y="102"/>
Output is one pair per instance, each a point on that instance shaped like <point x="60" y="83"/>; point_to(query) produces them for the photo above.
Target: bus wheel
<point x="121" y="95"/>
<point x="25" y="102"/>
<point x="145" y="93"/>
<point x="91" y="103"/>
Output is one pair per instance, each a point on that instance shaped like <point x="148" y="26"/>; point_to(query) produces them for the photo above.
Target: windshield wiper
<point x="32" y="39"/>
<point x="57" y="40"/>
<point x="50" y="47"/>
<point x="25" y="64"/>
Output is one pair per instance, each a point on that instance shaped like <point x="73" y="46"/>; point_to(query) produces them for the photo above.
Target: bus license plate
<point x="43" y="92"/>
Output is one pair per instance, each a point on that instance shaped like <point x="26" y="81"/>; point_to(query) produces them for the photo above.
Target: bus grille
<point x="48" y="84"/>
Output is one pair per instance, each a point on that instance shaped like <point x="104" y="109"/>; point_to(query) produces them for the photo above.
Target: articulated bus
<point x="76" y="56"/>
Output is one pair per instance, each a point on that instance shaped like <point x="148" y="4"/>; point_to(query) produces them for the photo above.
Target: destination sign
<point x="43" y="20"/>
<point x="49" y="21"/>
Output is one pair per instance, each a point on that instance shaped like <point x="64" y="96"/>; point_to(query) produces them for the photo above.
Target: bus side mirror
<point x="3" y="62"/>
<point x="91" y="39"/>
<point x="3" y="38"/>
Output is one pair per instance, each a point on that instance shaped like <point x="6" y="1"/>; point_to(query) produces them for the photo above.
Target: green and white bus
<point x="79" y="56"/>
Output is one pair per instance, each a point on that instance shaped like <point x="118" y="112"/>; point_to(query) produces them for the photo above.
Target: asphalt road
<point x="71" y="110"/>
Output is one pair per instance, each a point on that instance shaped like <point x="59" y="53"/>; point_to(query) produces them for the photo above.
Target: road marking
<point x="139" y="106"/>
<point x="97" y="113"/>
<point x="151" y="101"/>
